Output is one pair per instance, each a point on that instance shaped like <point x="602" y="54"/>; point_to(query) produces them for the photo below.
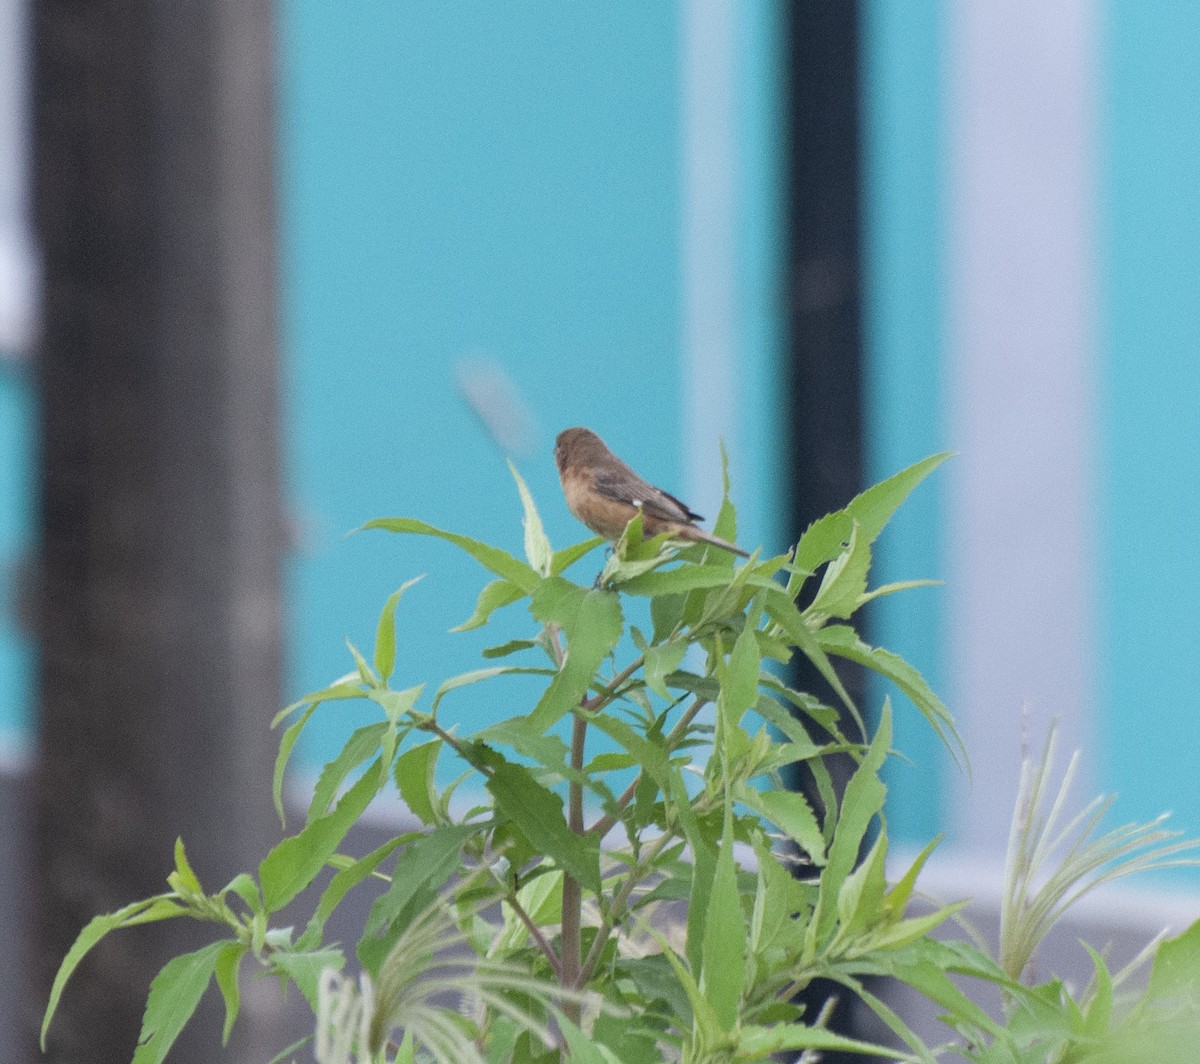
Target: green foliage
<point x="550" y="910"/>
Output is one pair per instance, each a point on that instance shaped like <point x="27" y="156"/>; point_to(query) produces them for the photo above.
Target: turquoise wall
<point x="903" y="328"/>
<point x="1150" y="407"/>
<point x="16" y="526"/>
<point x="508" y="186"/>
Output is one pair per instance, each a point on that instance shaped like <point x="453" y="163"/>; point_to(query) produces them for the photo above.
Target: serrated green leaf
<point x="294" y="863"/>
<point x="414" y="773"/>
<point x="226" y="971"/>
<point x="824" y="539"/>
<point x="844" y="586"/>
<point x="791" y="813"/>
<point x="385" y="633"/>
<point x="174" y="995"/>
<point x="538" y="812"/>
<point x="843" y="641"/>
<point x="493" y="558"/>
<point x="537" y="547"/>
<point x="149" y="910"/>
<point x="782" y="610"/>
<point x="592" y="623"/>
<point x="724" y="970"/>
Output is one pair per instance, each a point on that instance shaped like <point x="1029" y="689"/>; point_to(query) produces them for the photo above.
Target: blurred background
<point x="267" y="274"/>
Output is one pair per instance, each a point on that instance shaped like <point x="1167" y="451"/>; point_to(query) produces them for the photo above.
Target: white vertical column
<point x="17" y="276"/>
<point x="1020" y="291"/>
<point x="708" y="35"/>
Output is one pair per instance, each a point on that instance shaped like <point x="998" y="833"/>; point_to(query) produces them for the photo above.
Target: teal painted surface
<point x="903" y="226"/>
<point x="505" y="183"/>
<point x="759" y="478"/>
<point x="16" y="523"/>
<point x="1150" y="409"/>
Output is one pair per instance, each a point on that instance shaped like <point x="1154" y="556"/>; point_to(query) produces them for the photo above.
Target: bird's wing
<point x="624" y="485"/>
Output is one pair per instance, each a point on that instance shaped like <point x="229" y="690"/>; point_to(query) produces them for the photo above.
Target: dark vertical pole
<point x="824" y="300"/>
<point x="824" y="267"/>
<point x="160" y="516"/>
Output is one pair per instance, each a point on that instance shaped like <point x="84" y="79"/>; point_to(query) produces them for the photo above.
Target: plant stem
<point x="572" y="901"/>
<point x="606" y="823"/>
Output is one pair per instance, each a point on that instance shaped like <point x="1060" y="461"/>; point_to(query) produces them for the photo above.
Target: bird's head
<point x="577" y="446"/>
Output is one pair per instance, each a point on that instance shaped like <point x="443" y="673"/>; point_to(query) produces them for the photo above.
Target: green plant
<point x="662" y="898"/>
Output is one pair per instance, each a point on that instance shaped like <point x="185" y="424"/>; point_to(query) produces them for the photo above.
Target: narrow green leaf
<point x="538" y="812"/>
<point x="897" y="898"/>
<point x="724" y="970"/>
<point x="860" y="899"/>
<point x="466" y="679"/>
<point x="1175" y="974"/>
<point x="874" y="508"/>
<point x="341" y="884"/>
<point x="861" y="803"/>
<point x="184" y="870"/>
<point x="842" y="641"/>
<point x="245" y="888"/>
<point x="662" y="659"/>
<point x="385" y="633"/>
<point x="844" y="585"/>
<point x="341" y="691"/>
<point x="783" y="612"/>
<point x="592" y="623"/>
<point x="791" y="813"/>
<point x="226" y="971"/>
<point x="414" y="774"/>
<point x="304" y="968"/>
<point x="366" y="674"/>
<point x="493" y="596"/>
<point x="537" y="547"/>
<point x="362" y="744"/>
<point x="149" y="910"/>
<point x="498" y="561"/>
<point x="824" y="539"/>
<point x="583" y="1050"/>
<point x="286" y="1054"/>
<point x="757" y="1043"/>
<point x="422" y="869"/>
<point x="740" y="690"/>
<point x="568" y="556"/>
<point x="174" y="995"/>
<point x="347" y="686"/>
<point x="513" y="646"/>
<point x="294" y="863"/>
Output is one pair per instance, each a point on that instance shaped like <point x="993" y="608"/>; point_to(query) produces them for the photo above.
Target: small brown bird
<point x="605" y="494"/>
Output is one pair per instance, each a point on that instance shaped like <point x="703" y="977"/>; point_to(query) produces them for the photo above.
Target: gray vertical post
<point x="160" y="515"/>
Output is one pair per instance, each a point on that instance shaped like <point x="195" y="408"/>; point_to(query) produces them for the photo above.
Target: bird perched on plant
<point x="605" y="494"/>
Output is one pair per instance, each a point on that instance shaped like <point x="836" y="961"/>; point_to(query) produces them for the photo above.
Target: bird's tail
<point x="699" y="535"/>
